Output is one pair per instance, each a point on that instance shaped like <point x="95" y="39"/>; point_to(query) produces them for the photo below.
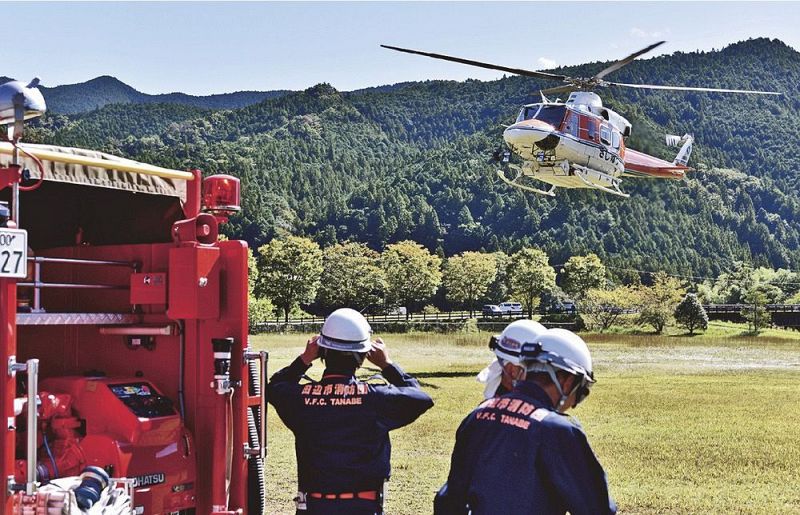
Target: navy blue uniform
<point x="515" y="454"/>
<point x="341" y="428"/>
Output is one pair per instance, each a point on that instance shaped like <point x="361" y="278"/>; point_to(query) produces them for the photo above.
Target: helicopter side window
<point x="552" y="114"/>
<point x="615" y="140"/>
<point x="572" y="124"/>
<point x="605" y="135"/>
<point x="589" y="128"/>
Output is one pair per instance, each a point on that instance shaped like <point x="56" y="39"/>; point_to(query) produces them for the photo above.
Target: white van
<point x="510" y="308"/>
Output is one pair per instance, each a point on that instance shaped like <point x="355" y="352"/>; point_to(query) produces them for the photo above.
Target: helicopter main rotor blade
<point x="558" y="89"/>
<point x="622" y="62"/>
<point x="488" y="66"/>
<point x="687" y="88"/>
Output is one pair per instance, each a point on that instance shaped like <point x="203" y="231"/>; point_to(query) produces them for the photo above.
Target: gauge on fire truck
<point x="143" y="400"/>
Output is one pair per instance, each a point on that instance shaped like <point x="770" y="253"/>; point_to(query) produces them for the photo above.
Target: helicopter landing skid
<point x="513" y="182"/>
<point x="581" y="173"/>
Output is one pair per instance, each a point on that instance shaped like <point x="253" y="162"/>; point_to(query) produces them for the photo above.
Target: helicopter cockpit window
<point x="528" y="112"/>
<point x="615" y="140"/>
<point x="552" y="114"/>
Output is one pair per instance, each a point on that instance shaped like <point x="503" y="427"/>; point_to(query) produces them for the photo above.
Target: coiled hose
<point x="256" y="481"/>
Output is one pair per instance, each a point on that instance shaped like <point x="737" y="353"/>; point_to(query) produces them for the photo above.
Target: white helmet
<point x="563" y="350"/>
<point x="346" y="330"/>
<point x="508" y="344"/>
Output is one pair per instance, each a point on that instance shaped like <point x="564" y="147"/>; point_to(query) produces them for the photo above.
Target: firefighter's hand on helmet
<point x="311" y="351"/>
<point x="379" y="355"/>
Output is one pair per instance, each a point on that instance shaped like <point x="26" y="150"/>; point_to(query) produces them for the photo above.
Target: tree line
<point x="293" y="273"/>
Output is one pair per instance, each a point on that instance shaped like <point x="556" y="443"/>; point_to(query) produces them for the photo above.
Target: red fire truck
<point x="123" y="326"/>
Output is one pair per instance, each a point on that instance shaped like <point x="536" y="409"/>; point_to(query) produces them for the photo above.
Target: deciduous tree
<point x="413" y="274"/>
<point x="258" y="309"/>
<point x="498" y="288"/>
<point x="351" y="277"/>
<point x="468" y="276"/>
<point x="602" y="308"/>
<point x="582" y="273"/>
<point x="732" y="286"/>
<point x="290" y="271"/>
<point x="530" y="276"/>
<point x="657" y="302"/>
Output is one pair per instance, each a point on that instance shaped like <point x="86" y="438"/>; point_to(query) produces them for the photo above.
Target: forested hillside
<point x="411" y="162"/>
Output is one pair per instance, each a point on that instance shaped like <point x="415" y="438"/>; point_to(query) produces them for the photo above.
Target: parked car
<point x="510" y="308"/>
<point x="401" y="310"/>
<point x="563" y="306"/>
<point x="491" y="310"/>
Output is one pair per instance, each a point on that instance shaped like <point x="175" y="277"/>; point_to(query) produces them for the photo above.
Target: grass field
<point x="708" y="424"/>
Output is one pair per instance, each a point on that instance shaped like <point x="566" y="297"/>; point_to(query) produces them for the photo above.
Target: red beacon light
<point x="221" y="196"/>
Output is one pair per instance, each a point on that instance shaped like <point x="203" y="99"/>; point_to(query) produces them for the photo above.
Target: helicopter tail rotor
<point x="686" y="147"/>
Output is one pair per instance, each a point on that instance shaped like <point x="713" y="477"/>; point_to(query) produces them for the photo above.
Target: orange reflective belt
<point x="367" y="495"/>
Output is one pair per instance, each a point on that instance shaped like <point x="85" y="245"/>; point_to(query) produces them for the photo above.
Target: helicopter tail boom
<point x="639" y="164"/>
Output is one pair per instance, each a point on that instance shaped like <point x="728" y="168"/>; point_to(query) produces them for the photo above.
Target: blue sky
<point x="209" y="47"/>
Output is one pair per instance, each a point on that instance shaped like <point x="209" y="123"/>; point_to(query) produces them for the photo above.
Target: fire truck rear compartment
<point x="116" y="306"/>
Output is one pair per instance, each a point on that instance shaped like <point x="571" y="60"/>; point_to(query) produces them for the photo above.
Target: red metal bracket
<point x="10" y="175"/>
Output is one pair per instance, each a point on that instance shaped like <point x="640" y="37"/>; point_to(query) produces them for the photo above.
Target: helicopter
<point x="580" y="143"/>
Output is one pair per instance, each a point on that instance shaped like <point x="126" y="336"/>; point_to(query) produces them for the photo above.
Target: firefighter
<point x="519" y="453"/>
<point x="500" y="374"/>
<point x="341" y="425"/>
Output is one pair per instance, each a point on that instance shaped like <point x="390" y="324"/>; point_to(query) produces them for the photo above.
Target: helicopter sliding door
<point x="572" y="124"/>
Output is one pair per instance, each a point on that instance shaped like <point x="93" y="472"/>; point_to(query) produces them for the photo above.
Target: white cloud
<point x="546" y="63"/>
<point x="652" y="34"/>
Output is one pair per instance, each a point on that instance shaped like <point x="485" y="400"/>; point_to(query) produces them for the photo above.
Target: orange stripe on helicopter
<point x="532" y="124"/>
<point x="638" y="164"/>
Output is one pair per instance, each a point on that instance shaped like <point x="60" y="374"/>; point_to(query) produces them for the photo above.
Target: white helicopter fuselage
<point x="572" y="145"/>
<point x="557" y="165"/>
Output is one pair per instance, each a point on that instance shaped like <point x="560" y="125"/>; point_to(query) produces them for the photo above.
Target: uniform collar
<point x="536" y="392"/>
<point x="331" y="374"/>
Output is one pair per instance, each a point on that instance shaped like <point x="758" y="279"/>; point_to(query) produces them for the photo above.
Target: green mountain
<point x="105" y="90"/>
<point x="410" y="161"/>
